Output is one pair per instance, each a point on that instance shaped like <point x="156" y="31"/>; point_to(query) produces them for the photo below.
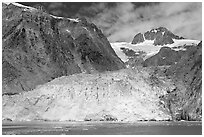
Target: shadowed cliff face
<point x="185" y="70"/>
<point x="186" y="102"/>
<point x="38" y="47"/>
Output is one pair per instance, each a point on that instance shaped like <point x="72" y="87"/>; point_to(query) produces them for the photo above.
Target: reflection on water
<point x="103" y="128"/>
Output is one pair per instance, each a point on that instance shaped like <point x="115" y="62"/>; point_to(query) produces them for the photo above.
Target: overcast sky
<point x="122" y="21"/>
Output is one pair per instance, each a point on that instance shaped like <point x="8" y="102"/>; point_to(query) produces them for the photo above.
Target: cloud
<point x="122" y="21"/>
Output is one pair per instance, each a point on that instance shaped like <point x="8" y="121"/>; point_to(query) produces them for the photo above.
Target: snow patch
<point x="146" y="46"/>
<point x="154" y="30"/>
<point x="20" y="5"/>
<point x="56" y="17"/>
<point x="75" y="20"/>
<point x="146" y="42"/>
<point x="179" y="44"/>
<point x="67" y="30"/>
<point x="143" y="36"/>
<point x="85" y="28"/>
<point x="119" y="52"/>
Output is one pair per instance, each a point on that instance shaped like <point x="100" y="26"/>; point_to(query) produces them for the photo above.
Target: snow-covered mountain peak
<point x="148" y="44"/>
<point x="147" y="48"/>
<point x="160" y="36"/>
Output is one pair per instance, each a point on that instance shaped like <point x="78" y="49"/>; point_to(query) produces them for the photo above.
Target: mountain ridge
<point x="38" y="47"/>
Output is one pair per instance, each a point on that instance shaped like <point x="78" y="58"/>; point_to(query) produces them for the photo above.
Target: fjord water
<point x="103" y="128"/>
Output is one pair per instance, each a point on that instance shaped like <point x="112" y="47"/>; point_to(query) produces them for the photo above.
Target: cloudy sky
<point x="121" y="21"/>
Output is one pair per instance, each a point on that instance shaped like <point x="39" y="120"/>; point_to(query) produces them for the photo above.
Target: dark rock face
<point x="138" y="38"/>
<point x="163" y="40"/>
<point x="134" y="58"/>
<point x="185" y="70"/>
<point x="38" y="47"/>
<point x="161" y="36"/>
<point x="186" y="101"/>
<point x="166" y="56"/>
<point x="128" y="52"/>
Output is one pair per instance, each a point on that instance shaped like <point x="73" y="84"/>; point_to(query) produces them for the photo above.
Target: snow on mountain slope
<point x="180" y="44"/>
<point x="149" y="49"/>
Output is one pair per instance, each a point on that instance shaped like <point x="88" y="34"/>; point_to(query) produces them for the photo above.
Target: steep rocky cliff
<point x="186" y="102"/>
<point x="38" y="47"/>
<point x="185" y="70"/>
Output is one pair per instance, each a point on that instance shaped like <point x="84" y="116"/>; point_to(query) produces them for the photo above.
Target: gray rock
<point x="138" y="38"/>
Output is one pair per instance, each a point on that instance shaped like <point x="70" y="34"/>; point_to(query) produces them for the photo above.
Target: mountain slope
<point x="187" y="74"/>
<point x="38" y="47"/>
<point x="165" y="56"/>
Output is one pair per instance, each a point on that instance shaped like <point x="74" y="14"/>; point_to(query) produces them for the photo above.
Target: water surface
<point x="102" y="128"/>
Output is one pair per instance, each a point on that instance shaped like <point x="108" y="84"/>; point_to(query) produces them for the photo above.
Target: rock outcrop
<point x="160" y="36"/>
<point x="38" y="47"/>
<point x="165" y="56"/>
<point x="138" y="38"/>
<point x="124" y="95"/>
<point x="134" y="58"/>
